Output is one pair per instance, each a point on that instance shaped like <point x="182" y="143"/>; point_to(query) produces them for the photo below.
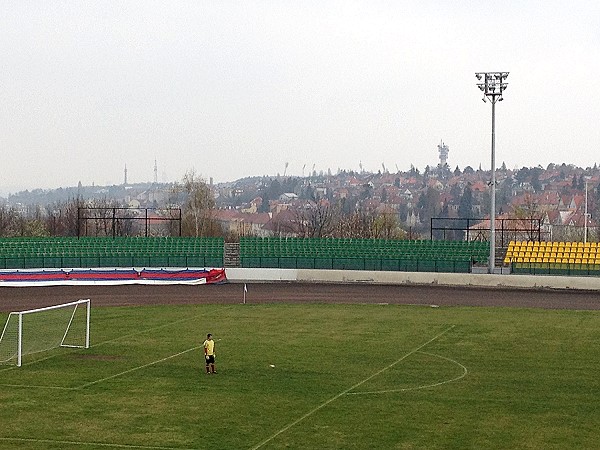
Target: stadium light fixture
<point x="492" y="84"/>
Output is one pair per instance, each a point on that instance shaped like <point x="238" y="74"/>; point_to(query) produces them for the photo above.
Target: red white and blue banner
<point x="83" y="277"/>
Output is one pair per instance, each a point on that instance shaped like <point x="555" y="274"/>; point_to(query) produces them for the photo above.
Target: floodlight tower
<point x="492" y="84"/>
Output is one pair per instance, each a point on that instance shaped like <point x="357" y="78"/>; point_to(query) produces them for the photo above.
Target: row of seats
<point x="133" y="245"/>
<point x="552" y="244"/>
<point x="61" y="262"/>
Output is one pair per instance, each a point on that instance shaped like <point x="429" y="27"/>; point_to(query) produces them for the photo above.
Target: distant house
<point x="288" y="197"/>
<point x="242" y="224"/>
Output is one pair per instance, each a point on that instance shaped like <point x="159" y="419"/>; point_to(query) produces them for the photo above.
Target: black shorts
<point x="210" y="359"/>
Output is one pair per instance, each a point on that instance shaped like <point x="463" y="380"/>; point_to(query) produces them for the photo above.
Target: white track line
<point x="465" y="371"/>
<point x="95" y="444"/>
<point x="344" y="392"/>
<point x="91" y="383"/>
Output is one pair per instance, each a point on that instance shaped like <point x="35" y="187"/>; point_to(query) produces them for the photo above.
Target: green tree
<point x="465" y="207"/>
<point x="429" y="204"/>
<point x="535" y="178"/>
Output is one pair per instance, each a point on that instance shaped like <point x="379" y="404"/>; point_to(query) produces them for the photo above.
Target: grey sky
<point x="238" y="88"/>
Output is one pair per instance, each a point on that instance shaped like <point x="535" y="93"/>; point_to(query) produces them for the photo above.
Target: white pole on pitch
<point x="245" y="290"/>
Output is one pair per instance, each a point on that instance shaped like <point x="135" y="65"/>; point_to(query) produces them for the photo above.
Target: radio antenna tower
<point x="125" y="177"/>
<point x="443" y="150"/>
<point x="155" y="172"/>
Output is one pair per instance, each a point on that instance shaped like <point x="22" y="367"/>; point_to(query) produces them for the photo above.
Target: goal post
<point x="42" y="329"/>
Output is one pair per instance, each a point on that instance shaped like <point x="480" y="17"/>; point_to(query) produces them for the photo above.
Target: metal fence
<point x="347" y="263"/>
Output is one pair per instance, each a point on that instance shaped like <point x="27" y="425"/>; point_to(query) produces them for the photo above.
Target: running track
<point x="15" y="299"/>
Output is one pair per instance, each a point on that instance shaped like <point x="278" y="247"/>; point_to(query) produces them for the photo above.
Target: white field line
<point x="344" y="392"/>
<point x="89" y="444"/>
<point x="34" y="386"/>
<point x="465" y="371"/>
<point x="91" y="383"/>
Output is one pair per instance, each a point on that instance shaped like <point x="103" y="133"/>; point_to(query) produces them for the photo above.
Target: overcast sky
<point x="240" y="88"/>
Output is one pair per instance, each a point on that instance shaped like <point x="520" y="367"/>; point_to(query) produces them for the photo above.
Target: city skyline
<point x="259" y="88"/>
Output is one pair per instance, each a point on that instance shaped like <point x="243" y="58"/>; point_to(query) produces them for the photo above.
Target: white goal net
<point x="39" y="330"/>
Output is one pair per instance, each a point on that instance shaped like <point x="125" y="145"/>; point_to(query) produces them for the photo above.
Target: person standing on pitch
<point x="209" y="354"/>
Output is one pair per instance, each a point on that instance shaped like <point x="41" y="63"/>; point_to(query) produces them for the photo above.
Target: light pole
<point x="585" y="215"/>
<point x="492" y="84"/>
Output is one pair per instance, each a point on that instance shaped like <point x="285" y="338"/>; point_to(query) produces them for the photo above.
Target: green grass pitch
<point x="345" y="376"/>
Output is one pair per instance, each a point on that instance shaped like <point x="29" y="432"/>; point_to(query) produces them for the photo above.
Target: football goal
<point x="42" y="329"/>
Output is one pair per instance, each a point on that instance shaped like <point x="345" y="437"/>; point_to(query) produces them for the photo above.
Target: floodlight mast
<point x="492" y="84"/>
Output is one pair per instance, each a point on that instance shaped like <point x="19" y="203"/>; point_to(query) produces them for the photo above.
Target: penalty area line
<point x="344" y="392"/>
<point x="91" y="383"/>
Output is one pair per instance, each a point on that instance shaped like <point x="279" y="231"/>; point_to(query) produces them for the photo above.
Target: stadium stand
<point x="556" y="258"/>
<point x="68" y="252"/>
<point x="363" y="254"/>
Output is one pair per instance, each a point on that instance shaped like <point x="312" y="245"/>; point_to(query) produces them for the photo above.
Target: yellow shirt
<point x="209" y="347"/>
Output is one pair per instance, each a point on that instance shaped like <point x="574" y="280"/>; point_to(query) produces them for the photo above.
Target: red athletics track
<point x="15" y="299"/>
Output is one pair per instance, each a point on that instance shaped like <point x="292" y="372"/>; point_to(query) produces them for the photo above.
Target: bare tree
<point x="385" y="226"/>
<point x="62" y="217"/>
<point x="356" y="225"/>
<point x="528" y="215"/>
<point x="198" y="205"/>
<point x="8" y="220"/>
<point x="314" y="219"/>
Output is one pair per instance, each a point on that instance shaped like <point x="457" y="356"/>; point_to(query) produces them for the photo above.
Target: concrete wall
<point x="239" y="275"/>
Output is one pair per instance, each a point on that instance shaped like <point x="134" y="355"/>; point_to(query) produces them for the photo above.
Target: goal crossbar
<point x="41" y="329"/>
